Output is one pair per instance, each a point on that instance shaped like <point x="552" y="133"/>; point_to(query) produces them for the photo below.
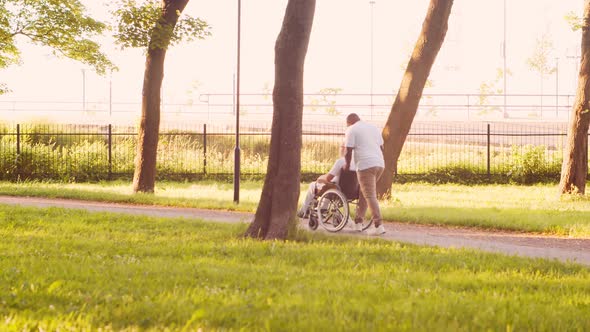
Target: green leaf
<point x="139" y="26"/>
<point x="575" y="21"/>
<point x="54" y="286"/>
<point x="61" y="25"/>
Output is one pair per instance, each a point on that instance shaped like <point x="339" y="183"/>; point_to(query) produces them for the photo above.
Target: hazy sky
<point x="339" y="55"/>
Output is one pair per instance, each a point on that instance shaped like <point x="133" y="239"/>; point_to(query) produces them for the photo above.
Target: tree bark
<point x="574" y="170"/>
<point x="408" y="97"/>
<point x="144" y="177"/>
<point x="275" y="215"/>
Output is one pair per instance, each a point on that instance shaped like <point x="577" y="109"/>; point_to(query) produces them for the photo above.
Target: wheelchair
<point x="330" y="206"/>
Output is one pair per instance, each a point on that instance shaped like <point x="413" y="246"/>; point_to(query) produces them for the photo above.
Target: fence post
<point x="18" y="161"/>
<point x="205" y="149"/>
<point x="17" y="139"/>
<point x="489" y="161"/>
<point x="110" y="159"/>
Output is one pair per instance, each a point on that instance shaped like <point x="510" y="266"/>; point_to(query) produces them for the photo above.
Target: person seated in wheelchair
<point x="324" y="181"/>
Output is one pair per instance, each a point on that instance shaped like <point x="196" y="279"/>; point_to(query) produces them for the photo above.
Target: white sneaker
<point x="357" y="227"/>
<point x="378" y="231"/>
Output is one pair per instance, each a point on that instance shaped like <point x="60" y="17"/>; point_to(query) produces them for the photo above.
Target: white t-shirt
<point x="337" y="168"/>
<point x="366" y="140"/>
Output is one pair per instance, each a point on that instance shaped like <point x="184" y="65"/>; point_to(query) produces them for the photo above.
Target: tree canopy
<point x="62" y="25"/>
<point x="139" y="25"/>
<point x="576" y="22"/>
<point x="539" y="59"/>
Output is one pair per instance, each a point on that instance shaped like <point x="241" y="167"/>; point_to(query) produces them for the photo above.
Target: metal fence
<point x="101" y="152"/>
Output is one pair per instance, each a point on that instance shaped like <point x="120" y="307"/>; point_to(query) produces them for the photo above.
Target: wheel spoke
<point x="334" y="213"/>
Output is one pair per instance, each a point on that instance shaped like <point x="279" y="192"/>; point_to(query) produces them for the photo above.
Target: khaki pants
<point x="368" y="194"/>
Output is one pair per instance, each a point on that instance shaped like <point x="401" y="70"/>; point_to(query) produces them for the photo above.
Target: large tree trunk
<point x="275" y="215"/>
<point x="144" y="177"/>
<point x="574" y="170"/>
<point x="408" y="97"/>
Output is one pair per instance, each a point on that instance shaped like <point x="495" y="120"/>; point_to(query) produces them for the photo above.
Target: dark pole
<point x="18" y="158"/>
<point x="111" y="95"/>
<point x="489" y="171"/>
<point x="205" y="149"/>
<point x="237" y="149"/>
<point x="110" y="151"/>
<point x="17" y="139"/>
<point x="504" y="58"/>
<point x="372" y="3"/>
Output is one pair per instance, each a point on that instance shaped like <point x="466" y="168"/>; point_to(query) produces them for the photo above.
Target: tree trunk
<point x="408" y="97"/>
<point x="144" y="177"/>
<point x="574" y="170"/>
<point x="275" y="215"/>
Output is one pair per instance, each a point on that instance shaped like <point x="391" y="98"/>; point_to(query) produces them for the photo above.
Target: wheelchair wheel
<point x="313" y="222"/>
<point x="332" y="210"/>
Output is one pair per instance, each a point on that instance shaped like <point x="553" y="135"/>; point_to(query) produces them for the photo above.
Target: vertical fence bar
<point x="488" y="156"/>
<point x="54" y="158"/>
<point x="17" y="139"/>
<point x="110" y="159"/>
<point x="18" y="161"/>
<point x="205" y="149"/>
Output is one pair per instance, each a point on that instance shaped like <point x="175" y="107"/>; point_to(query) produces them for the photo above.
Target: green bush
<point x="459" y="173"/>
<point x="89" y="161"/>
<point x="39" y="160"/>
<point x="8" y="158"/>
<point x="531" y="164"/>
<point x="80" y="153"/>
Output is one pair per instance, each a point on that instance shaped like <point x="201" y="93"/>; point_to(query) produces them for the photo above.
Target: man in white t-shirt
<point x="366" y="141"/>
<point x="331" y="177"/>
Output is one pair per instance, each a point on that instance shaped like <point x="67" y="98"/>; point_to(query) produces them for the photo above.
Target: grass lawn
<point x="535" y="208"/>
<point x="205" y="194"/>
<point x="72" y="270"/>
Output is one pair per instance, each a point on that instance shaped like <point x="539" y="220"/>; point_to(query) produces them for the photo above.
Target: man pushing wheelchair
<point x="327" y="199"/>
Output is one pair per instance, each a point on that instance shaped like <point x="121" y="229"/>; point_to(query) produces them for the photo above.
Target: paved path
<point x="530" y="245"/>
<point x="150" y="210"/>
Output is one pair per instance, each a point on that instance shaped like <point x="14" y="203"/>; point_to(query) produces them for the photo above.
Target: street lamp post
<point x="237" y="149"/>
<point x="504" y="58"/>
<point x="372" y="3"/>
<point x="111" y="94"/>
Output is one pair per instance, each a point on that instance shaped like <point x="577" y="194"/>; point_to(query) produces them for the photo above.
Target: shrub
<point x="531" y="164"/>
<point x="80" y="153"/>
